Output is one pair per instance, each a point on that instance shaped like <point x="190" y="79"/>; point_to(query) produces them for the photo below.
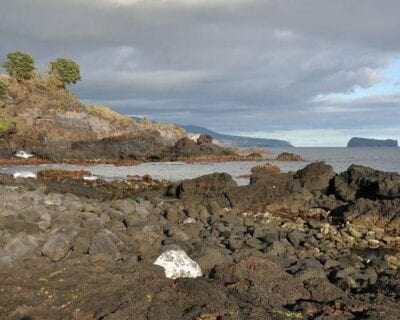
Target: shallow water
<point x="387" y="159"/>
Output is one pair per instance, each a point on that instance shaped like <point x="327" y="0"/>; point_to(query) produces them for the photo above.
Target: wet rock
<point x="57" y="246"/>
<point x="287" y="156"/>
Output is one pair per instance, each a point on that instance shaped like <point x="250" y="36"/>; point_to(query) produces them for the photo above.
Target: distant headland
<point x="365" y="142"/>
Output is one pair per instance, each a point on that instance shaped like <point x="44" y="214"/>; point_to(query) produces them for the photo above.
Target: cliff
<point x="40" y="117"/>
<point x="48" y="121"/>
<point x="364" y="142"/>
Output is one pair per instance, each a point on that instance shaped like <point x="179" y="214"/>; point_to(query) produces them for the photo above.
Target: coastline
<point x="80" y="248"/>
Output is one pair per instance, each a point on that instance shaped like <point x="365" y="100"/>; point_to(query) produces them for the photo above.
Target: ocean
<point x="386" y="159"/>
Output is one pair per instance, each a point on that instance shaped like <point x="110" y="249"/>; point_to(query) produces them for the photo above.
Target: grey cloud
<point x="231" y="65"/>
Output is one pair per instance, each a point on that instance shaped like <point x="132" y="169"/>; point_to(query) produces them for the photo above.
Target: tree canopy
<point x="67" y="70"/>
<point x="3" y="90"/>
<point x="20" y="65"/>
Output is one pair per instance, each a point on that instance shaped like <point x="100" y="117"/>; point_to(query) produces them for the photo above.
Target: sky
<point x="314" y="72"/>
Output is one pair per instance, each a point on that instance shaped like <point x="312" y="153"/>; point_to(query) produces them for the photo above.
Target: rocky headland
<point x="310" y="244"/>
<point x="48" y="122"/>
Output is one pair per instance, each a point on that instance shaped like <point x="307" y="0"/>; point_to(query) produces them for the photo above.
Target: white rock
<point x="90" y="178"/>
<point x="177" y="264"/>
<point x="24" y="174"/>
<point x="193" y="136"/>
<point x="23" y="154"/>
<point x="189" y="220"/>
<point x="54" y="199"/>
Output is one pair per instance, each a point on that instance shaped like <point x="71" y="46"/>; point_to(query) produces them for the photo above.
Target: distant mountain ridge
<point x="365" y="142"/>
<point x="238" y="141"/>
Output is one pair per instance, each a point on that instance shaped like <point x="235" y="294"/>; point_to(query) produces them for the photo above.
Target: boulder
<point x="177" y="264"/>
<point x="315" y="176"/>
<point x="204" y="188"/>
<point x="258" y="172"/>
<point x="57" y="246"/>
<point x="103" y="245"/>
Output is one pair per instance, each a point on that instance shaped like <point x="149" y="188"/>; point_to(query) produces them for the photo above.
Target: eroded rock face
<point x="380" y="213"/>
<point x="363" y="182"/>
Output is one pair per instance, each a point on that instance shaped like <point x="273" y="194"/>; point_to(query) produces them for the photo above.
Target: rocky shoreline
<point x="310" y="244"/>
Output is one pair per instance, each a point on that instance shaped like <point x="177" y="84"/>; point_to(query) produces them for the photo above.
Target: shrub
<point x="4" y="125"/>
<point x="66" y="70"/>
<point x="3" y="90"/>
<point x="20" y="65"/>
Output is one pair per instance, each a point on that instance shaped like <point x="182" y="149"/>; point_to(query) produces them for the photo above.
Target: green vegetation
<point x="3" y="90"/>
<point x="66" y="70"/>
<point x="20" y="65"/>
<point x="104" y="112"/>
<point x="4" y="125"/>
<point x="289" y="314"/>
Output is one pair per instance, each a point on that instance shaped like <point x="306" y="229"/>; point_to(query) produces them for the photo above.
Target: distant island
<point x="238" y="141"/>
<point x="365" y="142"/>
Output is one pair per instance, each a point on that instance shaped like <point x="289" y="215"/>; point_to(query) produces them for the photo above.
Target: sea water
<point x="386" y="159"/>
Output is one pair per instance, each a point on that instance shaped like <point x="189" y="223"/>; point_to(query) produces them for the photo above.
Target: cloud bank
<point x="261" y="67"/>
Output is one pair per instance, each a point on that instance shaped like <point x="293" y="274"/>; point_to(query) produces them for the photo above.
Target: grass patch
<point x="289" y="314"/>
<point x="4" y="125"/>
<point x="105" y="113"/>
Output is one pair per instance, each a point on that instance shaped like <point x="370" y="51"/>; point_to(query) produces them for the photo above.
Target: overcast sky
<point x="314" y="72"/>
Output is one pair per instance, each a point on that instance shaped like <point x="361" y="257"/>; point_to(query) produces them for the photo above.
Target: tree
<point x="20" y="65"/>
<point x="3" y="90"/>
<point x="68" y="71"/>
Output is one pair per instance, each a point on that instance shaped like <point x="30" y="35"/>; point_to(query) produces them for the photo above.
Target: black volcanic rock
<point x="363" y="182"/>
<point x="364" y="142"/>
<point x="316" y="176"/>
